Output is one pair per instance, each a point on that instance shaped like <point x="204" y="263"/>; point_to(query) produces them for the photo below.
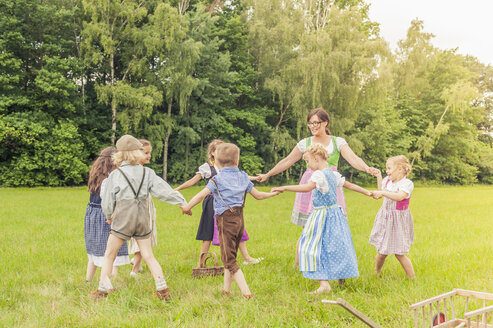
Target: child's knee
<point x="147" y="256"/>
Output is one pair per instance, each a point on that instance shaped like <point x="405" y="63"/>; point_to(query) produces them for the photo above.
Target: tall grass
<point x="43" y="263"/>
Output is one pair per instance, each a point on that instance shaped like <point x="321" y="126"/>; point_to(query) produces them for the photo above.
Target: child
<point x="133" y="248"/>
<point x="392" y="231"/>
<point x="125" y="205"/>
<point x="96" y="230"/>
<point x="229" y="187"/>
<point x="207" y="231"/>
<point x="326" y="246"/>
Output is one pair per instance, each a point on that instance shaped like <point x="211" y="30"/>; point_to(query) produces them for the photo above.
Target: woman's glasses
<point x="314" y="124"/>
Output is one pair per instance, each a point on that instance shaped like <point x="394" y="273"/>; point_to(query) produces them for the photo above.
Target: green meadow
<point x="43" y="263"/>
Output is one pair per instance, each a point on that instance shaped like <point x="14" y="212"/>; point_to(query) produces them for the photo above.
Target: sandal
<point x="225" y="292"/>
<point x="98" y="295"/>
<point x="163" y="294"/>
<point x="248" y="296"/>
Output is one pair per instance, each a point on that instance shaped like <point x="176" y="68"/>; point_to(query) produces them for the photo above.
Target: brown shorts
<point x="230" y="226"/>
<point x="131" y="219"/>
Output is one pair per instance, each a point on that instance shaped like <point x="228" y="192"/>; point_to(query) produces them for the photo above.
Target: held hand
<point x="374" y="171"/>
<point x="109" y="221"/>
<point x="185" y="210"/>
<point x="277" y="190"/>
<point x="262" y="177"/>
<point x="376" y="194"/>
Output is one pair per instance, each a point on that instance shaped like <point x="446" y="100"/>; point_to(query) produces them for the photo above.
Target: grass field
<point x="43" y="264"/>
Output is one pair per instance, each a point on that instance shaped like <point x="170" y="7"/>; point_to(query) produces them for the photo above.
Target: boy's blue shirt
<point x="232" y="184"/>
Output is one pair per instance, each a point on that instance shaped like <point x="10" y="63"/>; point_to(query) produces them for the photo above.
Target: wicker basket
<point x="203" y="270"/>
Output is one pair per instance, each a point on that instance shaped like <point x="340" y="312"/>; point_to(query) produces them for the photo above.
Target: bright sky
<point x="467" y="25"/>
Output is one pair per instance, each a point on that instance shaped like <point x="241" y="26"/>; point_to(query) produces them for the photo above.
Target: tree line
<point x="77" y="74"/>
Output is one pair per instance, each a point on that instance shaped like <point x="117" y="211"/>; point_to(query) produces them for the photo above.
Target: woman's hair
<point x="101" y="168"/>
<point x="132" y="157"/>
<point x="211" y="148"/>
<point x="145" y="142"/>
<point x="322" y="115"/>
<point x="317" y="149"/>
<point x="402" y="162"/>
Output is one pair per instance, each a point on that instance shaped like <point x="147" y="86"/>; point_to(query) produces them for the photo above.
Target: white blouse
<point x="321" y="182"/>
<point x="205" y="170"/>
<point x="405" y="185"/>
<point x="330" y="148"/>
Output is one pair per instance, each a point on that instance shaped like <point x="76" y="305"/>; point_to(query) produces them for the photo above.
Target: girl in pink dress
<point x="393" y="231"/>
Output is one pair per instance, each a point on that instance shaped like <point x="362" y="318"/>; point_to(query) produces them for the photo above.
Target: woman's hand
<point x="374" y="171"/>
<point x="262" y="177"/>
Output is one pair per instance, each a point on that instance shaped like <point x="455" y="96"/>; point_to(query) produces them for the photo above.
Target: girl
<point x="207" y="231"/>
<point x="133" y="248"/>
<point x="124" y="201"/>
<point x="326" y="247"/>
<point x="96" y="230"/>
<point x="392" y="231"/>
<point x="317" y="120"/>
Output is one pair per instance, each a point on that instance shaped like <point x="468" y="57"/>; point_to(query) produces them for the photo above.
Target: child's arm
<point x="162" y="190"/>
<point x="379" y="180"/>
<point x="296" y="188"/>
<point x="354" y="187"/>
<point x="262" y="195"/>
<point x="186" y="209"/>
<point x="196" y="178"/>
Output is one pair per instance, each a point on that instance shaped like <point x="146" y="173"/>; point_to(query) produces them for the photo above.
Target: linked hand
<point x="185" y="210"/>
<point x="374" y="171"/>
<point x="277" y="190"/>
<point x="376" y="194"/>
<point x="262" y="177"/>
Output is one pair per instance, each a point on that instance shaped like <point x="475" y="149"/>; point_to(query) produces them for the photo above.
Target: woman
<point x="318" y="121"/>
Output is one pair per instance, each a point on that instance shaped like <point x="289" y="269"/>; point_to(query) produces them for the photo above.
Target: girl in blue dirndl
<point x="326" y="246"/>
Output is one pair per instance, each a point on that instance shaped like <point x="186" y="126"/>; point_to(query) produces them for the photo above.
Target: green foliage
<point x="181" y="73"/>
<point x="37" y="151"/>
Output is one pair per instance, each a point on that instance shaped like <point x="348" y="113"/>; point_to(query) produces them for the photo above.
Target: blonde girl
<point x="393" y="231"/>
<point x="326" y="249"/>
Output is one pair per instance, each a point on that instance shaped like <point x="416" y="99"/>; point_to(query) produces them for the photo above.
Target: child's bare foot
<point x="321" y="290"/>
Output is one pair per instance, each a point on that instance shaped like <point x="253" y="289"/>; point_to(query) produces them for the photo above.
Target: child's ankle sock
<point x="161" y="284"/>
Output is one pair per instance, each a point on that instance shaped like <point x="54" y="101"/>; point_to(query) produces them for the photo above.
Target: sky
<point x="467" y="25"/>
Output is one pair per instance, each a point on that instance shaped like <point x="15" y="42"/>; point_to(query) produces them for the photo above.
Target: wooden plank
<point x="478" y="312"/>
<point x="432" y="300"/>
<point x="472" y="293"/>
<point x="353" y="311"/>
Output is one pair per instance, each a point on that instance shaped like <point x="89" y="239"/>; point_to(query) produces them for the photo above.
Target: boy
<point x="124" y="202"/>
<point x="229" y="187"/>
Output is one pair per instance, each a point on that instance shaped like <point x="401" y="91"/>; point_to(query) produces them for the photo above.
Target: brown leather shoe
<point x="163" y="294"/>
<point x="98" y="294"/>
